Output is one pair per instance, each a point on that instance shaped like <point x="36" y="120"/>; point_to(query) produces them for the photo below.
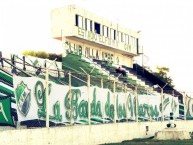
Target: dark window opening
<point x="91" y="26"/>
<point x="86" y="27"/>
<point x="97" y="28"/>
<point x="114" y="35"/>
<point x="76" y="20"/>
<point x="137" y="42"/>
<point x="97" y="54"/>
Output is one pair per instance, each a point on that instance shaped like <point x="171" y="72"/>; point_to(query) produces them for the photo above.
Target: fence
<point x="73" y="97"/>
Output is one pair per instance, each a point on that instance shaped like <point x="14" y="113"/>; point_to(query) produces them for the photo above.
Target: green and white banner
<point x="105" y="106"/>
<point x="188" y="107"/>
<point x="5" y="111"/>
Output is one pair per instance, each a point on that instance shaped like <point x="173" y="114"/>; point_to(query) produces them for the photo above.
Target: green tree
<point x="53" y="56"/>
<point x="162" y="74"/>
<point x="43" y="54"/>
<point x="40" y="54"/>
<point x="29" y="53"/>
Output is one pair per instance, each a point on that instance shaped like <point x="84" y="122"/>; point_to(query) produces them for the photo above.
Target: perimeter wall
<point x="85" y="134"/>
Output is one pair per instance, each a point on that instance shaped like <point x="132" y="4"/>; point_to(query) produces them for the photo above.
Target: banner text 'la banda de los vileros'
<point x="31" y="103"/>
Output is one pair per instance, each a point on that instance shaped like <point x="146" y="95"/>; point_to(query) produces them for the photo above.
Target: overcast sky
<point x="166" y="29"/>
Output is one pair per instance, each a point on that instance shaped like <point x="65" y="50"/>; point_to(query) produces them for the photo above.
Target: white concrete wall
<point x="63" y="28"/>
<point x="85" y="134"/>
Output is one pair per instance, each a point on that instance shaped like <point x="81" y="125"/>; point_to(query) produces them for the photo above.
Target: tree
<point x="29" y="52"/>
<point x="162" y="74"/>
<point x="53" y="56"/>
<point x="43" y="54"/>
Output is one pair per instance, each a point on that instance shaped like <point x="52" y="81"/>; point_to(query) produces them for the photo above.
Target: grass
<point x="151" y="141"/>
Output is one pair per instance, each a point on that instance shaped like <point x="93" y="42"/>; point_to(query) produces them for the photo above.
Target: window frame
<point x="77" y="21"/>
<point x="86" y="25"/>
<point x="113" y="35"/>
<point x="98" y="26"/>
<point x="107" y="31"/>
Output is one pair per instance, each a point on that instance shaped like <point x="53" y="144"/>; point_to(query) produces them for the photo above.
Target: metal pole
<point x="47" y="99"/>
<point x="162" y="95"/>
<point x="114" y="101"/>
<point x="70" y="91"/>
<point x="1" y="59"/>
<point x="101" y="82"/>
<point x="162" y="113"/>
<point x="136" y="104"/>
<point x="143" y="61"/>
<point x="47" y="92"/>
<point x="184" y="100"/>
<point x="88" y="90"/>
<point x="147" y="91"/>
<point x="24" y="68"/>
<point x="125" y="91"/>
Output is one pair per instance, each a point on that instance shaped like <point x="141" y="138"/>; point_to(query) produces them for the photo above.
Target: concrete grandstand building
<point x="97" y="39"/>
<point x="93" y="36"/>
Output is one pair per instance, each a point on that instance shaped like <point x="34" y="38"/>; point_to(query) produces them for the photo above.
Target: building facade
<point x="95" y="37"/>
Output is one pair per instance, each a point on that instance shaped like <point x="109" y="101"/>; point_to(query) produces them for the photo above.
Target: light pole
<point x="162" y="111"/>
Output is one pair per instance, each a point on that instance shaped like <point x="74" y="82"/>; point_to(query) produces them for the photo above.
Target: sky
<point x="166" y="29"/>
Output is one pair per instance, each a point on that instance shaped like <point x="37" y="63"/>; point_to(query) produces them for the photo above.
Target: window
<point x="97" y="27"/>
<point x="120" y="35"/>
<point x="72" y="47"/>
<point x="137" y="45"/>
<point x="129" y="39"/>
<point x="126" y="39"/>
<point x="105" y="31"/>
<point x="88" y="25"/>
<point x="113" y="34"/>
<point x="76" y="20"/>
<point x="97" y="54"/>
<point x="133" y="41"/>
<point x="79" y="49"/>
<point x="123" y="38"/>
<point x="87" y="52"/>
<point x="92" y="53"/>
<point x="79" y="21"/>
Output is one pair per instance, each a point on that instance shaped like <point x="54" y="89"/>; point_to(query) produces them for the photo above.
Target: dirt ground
<point x="152" y="141"/>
